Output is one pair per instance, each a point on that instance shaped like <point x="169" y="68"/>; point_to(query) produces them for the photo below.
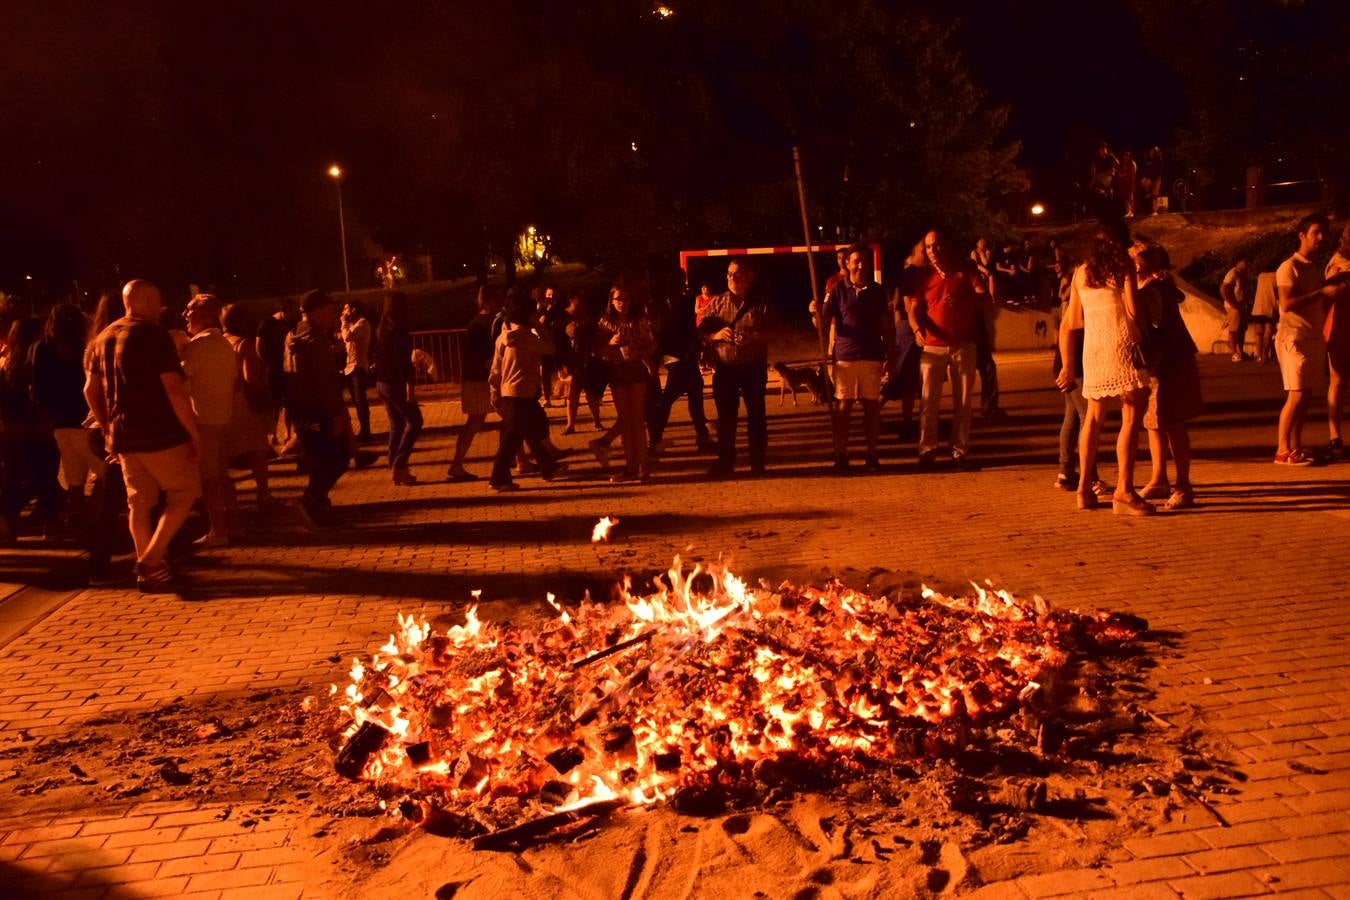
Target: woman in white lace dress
<point x="1102" y="304"/>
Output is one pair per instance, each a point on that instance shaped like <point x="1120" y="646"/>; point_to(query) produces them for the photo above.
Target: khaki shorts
<point x="1302" y="361"/>
<point x="78" y="458"/>
<point x="857" y="379"/>
<point x="213" y="451"/>
<point x="173" y="471"/>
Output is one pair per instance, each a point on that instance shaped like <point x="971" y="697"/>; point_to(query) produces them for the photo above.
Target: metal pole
<point x="342" y="230"/>
<point x="810" y="253"/>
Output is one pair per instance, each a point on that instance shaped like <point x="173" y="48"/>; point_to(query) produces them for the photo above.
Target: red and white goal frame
<point x="686" y="255"/>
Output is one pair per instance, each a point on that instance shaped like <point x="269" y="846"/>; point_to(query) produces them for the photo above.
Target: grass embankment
<point x="1203" y="245"/>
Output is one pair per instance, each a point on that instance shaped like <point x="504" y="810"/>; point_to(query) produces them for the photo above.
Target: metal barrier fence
<point x="438" y="356"/>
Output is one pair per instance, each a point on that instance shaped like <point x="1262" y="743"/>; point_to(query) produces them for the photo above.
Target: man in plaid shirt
<point x="139" y="397"/>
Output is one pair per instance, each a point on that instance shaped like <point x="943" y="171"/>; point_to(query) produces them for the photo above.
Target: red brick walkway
<point x="1255" y="583"/>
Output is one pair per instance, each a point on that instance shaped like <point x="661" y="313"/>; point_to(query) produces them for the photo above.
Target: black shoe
<point x="461" y="477"/>
<point x="961" y="461"/>
<point x="719" y="471"/>
<point x="840" y="465"/>
<point x="758" y="471"/>
<point x="504" y="486"/>
<point x="1066" y="481"/>
<point x="155" y="581"/>
<point x="364" y="458"/>
<point x="706" y="444"/>
<point x="871" y="465"/>
<point x="928" y="459"/>
<point x="315" y="513"/>
<point x="1336" y="449"/>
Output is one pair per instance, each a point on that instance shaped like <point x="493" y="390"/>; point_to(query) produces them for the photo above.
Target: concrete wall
<point x="1022" y="329"/>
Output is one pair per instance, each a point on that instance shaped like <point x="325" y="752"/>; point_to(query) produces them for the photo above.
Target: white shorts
<point x="857" y="379"/>
<point x="1302" y="361"/>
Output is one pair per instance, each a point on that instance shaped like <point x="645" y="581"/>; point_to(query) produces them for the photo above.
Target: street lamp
<point x="1037" y="209"/>
<point x="335" y="173"/>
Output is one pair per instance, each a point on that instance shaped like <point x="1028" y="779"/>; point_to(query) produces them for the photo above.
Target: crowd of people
<point x="139" y="409"/>
<point x="1121" y="186"/>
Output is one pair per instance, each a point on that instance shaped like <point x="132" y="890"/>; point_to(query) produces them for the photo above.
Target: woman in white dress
<point x="1102" y="304"/>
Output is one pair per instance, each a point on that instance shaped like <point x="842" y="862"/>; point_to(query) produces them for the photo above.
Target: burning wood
<point x="694" y="691"/>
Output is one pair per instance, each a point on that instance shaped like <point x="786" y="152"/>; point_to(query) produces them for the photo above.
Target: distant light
<point x="28" y="278"/>
<point x="912" y="123"/>
<point x="1037" y="209"/>
<point x="530" y="231"/>
<point x="634" y="146"/>
<point x="334" y="171"/>
<point x="663" y="12"/>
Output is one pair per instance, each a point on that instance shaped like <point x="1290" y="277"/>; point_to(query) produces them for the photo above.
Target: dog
<point x="424" y="365"/>
<point x="808" y="378"/>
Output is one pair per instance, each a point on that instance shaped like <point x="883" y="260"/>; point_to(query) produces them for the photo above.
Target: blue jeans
<point x="405" y="421"/>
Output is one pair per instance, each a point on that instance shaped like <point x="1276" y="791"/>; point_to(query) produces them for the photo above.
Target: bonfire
<point x="700" y="685"/>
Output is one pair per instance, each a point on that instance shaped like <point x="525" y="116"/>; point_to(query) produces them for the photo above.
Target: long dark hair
<point x="22" y="334"/>
<point x="636" y="308"/>
<point x="394" y="316"/>
<point x="65" y="330"/>
<point x="1108" y="263"/>
<point x="108" y="310"/>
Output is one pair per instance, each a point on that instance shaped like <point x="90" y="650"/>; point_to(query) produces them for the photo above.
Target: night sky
<point x="183" y="138"/>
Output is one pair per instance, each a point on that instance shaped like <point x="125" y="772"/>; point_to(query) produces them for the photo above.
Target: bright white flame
<point x="601" y="530"/>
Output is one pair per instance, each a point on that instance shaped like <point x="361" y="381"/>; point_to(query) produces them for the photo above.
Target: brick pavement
<point x="1253" y="584"/>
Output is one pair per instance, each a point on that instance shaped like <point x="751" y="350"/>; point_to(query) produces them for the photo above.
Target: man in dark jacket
<point x="314" y="400"/>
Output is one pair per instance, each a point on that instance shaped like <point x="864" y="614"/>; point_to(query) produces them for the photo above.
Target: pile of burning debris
<point x="701" y="692"/>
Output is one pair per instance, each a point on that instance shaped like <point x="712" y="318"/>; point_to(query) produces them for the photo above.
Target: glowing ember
<point x="705" y="682"/>
<point x="601" y="530"/>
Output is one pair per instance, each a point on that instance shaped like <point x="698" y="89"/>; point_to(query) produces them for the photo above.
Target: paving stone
<point x="1271" y="645"/>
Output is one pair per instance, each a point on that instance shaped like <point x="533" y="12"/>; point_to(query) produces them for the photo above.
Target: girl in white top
<point x="1102" y="304"/>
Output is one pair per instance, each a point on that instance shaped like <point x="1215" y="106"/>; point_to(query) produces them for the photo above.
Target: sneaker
<point x="1293" y="458"/>
<point x="157" y="580"/>
<point x="316" y="514"/>
<point x="303" y="509"/>
<point x="601" y="452"/>
<point x="1236" y="357"/>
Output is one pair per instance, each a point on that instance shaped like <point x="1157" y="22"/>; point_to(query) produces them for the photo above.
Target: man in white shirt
<point x="212" y="369"/>
<point x="355" y="333"/>
<point x="1299" y="345"/>
<point x="1236" y="291"/>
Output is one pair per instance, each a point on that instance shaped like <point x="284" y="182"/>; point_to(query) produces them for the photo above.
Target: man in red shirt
<point x="944" y="304"/>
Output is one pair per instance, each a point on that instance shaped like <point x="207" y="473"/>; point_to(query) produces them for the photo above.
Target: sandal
<point x="1156" y="492"/>
<point x="1100" y="488"/>
<point x="1292" y="458"/>
<point x="1182" y="498"/>
<point x="1131" y="505"/>
<point x="1087" y="500"/>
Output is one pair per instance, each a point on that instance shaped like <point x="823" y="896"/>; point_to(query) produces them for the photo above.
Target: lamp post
<point x="335" y="172"/>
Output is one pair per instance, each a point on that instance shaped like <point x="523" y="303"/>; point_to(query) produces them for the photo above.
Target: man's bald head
<point x="142" y="300"/>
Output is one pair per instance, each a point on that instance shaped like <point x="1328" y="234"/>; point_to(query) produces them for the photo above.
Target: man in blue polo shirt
<point x="864" y="344"/>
